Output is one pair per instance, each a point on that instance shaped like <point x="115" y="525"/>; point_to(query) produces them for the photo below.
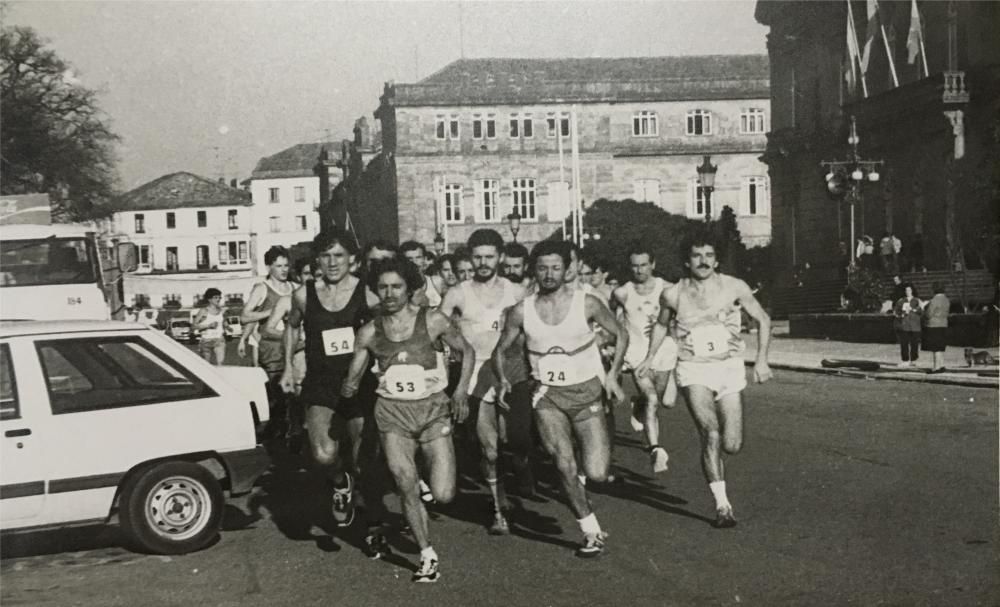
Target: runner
<point x="271" y="357"/>
<point x="515" y="262"/>
<point x="209" y="320"/>
<point x="564" y="359"/>
<point x="710" y="370"/>
<point x="479" y="305"/>
<point x="639" y="302"/>
<point x="430" y="294"/>
<point x="333" y="307"/>
<point x="463" y="267"/>
<point x="412" y="410"/>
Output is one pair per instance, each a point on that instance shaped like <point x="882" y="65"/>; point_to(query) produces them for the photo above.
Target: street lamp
<point x="590" y="235"/>
<point x="706" y="177"/>
<point x="514" y="222"/>
<point x="844" y="177"/>
<point x="438" y="243"/>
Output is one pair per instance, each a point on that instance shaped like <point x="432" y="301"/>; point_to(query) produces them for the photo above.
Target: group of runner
<point x="536" y="344"/>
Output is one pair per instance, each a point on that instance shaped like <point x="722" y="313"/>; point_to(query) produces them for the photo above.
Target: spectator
<point x="887" y="249"/>
<point x="906" y="322"/>
<point x="936" y="327"/>
<point x="898" y="290"/>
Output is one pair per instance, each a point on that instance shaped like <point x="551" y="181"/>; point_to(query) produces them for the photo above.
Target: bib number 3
<point x="338" y="341"/>
<point x="710" y="341"/>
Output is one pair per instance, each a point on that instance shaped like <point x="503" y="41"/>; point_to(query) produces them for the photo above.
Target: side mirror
<point x="127" y="255"/>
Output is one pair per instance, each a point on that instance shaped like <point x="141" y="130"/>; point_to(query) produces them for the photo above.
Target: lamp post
<point x="439" y="244"/>
<point x="590" y="235"/>
<point x="844" y="177"/>
<point x="706" y="178"/>
<point x="514" y="222"/>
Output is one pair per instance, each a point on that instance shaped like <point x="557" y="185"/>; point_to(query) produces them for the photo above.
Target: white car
<point x="106" y="421"/>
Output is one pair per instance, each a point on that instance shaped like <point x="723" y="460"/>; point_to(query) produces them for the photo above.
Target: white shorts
<point x="665" y="359"/>
<point x="723" y="377"/>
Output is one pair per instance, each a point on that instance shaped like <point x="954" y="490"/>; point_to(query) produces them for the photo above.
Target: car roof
<point x="16" y="328"/>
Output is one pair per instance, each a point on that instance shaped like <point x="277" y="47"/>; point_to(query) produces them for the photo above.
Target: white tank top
<point x="433" y="297"/>
<point x="708" y="334"/>
<point x="563" y="354"/>
<point x="216" y="332"/>
<point x="481" y="325"/>
<point x="641" y="313"/>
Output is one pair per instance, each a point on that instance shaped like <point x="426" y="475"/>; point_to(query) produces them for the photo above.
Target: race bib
<point x="710" y="341"/>
<point x="491" y="322"/>
<point x="557" y="370"/>
<point x="405" y="381"/>
<point x="338" y="341"/>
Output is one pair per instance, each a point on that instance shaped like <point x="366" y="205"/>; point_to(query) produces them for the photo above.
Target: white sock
<point x="589" y="524"/>
<point x="718" y="489"/>
<point x="428" y="553"/>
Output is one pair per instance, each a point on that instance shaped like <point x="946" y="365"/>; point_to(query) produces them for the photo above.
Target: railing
<point x="954" y="88"/>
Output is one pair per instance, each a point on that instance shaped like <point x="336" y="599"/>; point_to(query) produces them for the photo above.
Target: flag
<point x="916" y="36"/>
<point x="850" y="73"/>
<point x="871" y="32"/>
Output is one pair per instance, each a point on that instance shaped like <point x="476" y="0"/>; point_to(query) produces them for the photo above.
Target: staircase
<point x="979" y="286"/>
<point x="813" y="297"/>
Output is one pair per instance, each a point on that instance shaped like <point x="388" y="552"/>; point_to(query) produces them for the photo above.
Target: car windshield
<point x="45" y="261"/>
<point x="181" y="323"/>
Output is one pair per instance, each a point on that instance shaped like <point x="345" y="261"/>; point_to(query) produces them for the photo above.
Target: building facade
<point x="191" y="233"/>
<point x="934" y="126"/>
<point x="481" y="138"/>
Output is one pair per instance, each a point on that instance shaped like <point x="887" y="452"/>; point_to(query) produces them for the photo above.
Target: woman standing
<point x="936" y="327"/>
<point x="906" y="322"/>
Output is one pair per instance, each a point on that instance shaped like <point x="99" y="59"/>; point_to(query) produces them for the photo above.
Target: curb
<point x="945" y="381"/>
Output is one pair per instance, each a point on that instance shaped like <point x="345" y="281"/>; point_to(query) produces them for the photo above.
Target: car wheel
<point x="172" y="508"/>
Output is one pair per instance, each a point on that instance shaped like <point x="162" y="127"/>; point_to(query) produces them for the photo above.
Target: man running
<point x="515" y="262"/>
<point x="564" y="359"/>
<point x="412" y="411"/>
<point x="479" y="306"/>
<point x="333" y="308"/>
<point x="639" y="302"/>
<point x="710" y="369"/>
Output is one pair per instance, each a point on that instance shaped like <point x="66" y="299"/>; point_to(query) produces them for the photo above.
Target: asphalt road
<point x="848" y="492"/>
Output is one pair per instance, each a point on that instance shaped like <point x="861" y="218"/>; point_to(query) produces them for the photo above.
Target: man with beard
<point x="412" y="411"/>
<point x="710" y="371"/>
<point x="479" y="306"/>
<point x="639" y="302"/>
<point x="515" y="261"/>
<point x="556" y="322"/>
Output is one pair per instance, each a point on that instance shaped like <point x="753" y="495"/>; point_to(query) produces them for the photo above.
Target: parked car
<point x="109" y="422"/>
<point x="233" y="326"/>
<point x="179" y="329"/>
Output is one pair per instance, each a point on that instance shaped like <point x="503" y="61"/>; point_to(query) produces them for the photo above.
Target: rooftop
<point x="521" y="81"/>
<point x="181" y="190"/>
<point x="296" y="161"/>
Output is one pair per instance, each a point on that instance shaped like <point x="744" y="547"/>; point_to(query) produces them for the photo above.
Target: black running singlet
<point x="330" y="335"/>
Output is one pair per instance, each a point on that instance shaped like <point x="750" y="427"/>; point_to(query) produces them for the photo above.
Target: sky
<point x="212" y="87"/>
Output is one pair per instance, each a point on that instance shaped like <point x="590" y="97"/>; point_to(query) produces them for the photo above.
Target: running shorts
<point x="578" y="402"/>
<point x="723" y="377"/>
<point x="271" y="356"/>
<point x="323" y="391"/>
<point x="422" y="420"/>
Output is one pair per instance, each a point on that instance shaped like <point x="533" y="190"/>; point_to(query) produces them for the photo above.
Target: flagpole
<point x="856" y="51"/>
<point x="923" y="51"/>
<point x="577" y="191"/>
<point x="564" y="191"/>
<point x="444" y="223"/>
<point x="885" y="41"/>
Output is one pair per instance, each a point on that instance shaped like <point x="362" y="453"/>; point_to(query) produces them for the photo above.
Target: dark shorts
<point x="578" y="402"/>
<point x="271" y="356"/>
<point x="935" y="339"/>
<point x="422" y="420"/>
<point x="324" y="391"/>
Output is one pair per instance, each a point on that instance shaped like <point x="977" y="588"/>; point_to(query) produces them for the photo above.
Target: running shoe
<point x="724" y="518"/>
<point x="343" y="503"/>
<point x="499" y="526"/>
<point x="593" y="545"/>
<point x="376" y="546"/>
<point x="659" y="458"/>
<point x="428" y="571"/>
<point x="425" y="493"/>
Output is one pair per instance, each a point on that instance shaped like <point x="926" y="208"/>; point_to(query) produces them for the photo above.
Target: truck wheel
<point x="172" y="508"/>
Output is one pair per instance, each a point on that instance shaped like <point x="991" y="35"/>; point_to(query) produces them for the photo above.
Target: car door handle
<point x="18" y="432"/>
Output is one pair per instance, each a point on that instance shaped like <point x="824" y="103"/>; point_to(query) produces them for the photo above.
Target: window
<point x="171" y="221"/>
<point x="274" y="224"/>
<point x="489" y="192"/>
<point x="647" y="190"/>
<point x="453" y="203"/>
<point x="521" y="126"/>
<point x="145" y="259"/>
<point x="140" y="300"/>
<point x="524" y="198"/>
<point x="201" y="257"/>
<point x="10" y="408"/>
<point x="644" y="124"/>
<point x="754" y="196"/>
<point x="491" y="126"/>
<point x="111" y="372"/>
<point x="562" y="120"/>
<point x="233" y="253"/>
<point x="233" y="225"/>
<point x="484" y="127"/>
<point x="172" y="259"/>
<point x="440" y="126"/>
<point x="752" y="121"/>
<point x="696" y="205"/>
<point x="558" y="200"/>
<point x="300" y="223"/>
<point x="273" y="195"/>
<point x="202" y="219"/>
<point x="453" y="126"/>
<point x="515" y="126"/>
<point x="699" y="122"/>
<point x="140" y="223"/>
<point x="527" y="127"/>
<point x="300" y="193"/>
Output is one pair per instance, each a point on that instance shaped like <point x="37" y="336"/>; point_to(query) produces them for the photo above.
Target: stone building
<point x="480" y="138"/>
<point x="936" y="131"/>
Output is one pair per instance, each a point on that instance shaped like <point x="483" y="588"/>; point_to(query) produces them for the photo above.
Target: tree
<point x="55" y="138"/>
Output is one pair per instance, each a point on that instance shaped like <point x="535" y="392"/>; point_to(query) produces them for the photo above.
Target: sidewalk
<point x="807" y="355"/>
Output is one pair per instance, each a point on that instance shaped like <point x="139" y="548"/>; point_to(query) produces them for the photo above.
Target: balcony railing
<point x="954" y="88"/>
